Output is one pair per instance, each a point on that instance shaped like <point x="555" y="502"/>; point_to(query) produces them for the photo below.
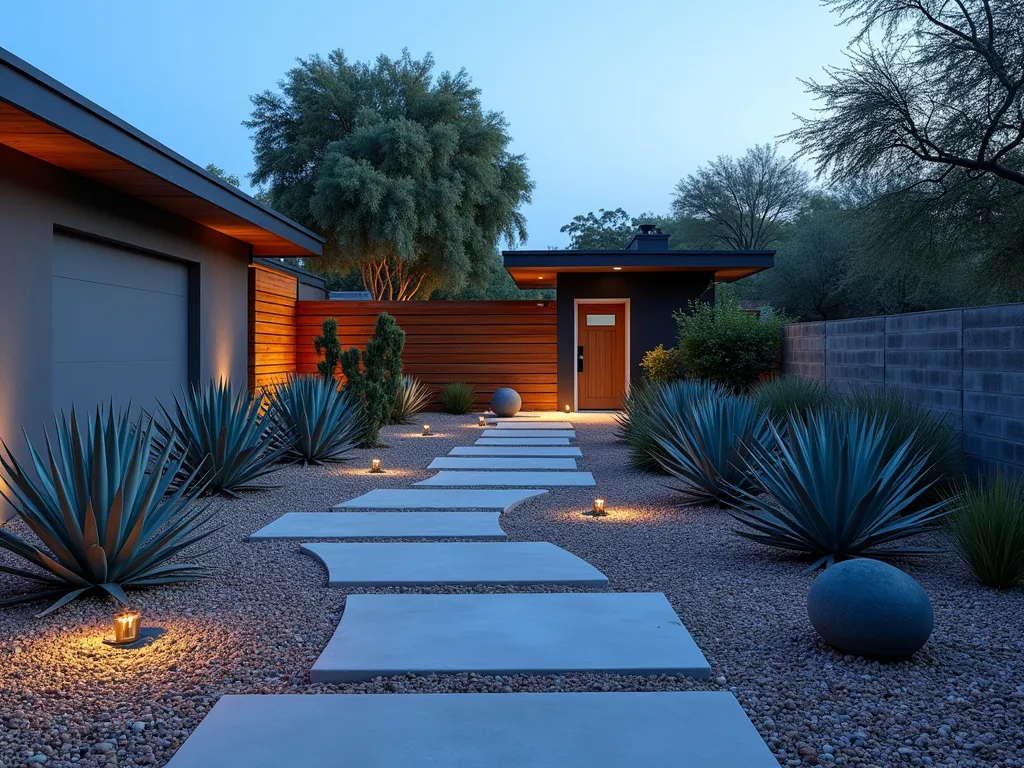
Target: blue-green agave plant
<point x="225" y="428"/>
<point x="109" y="512"/>
<point x="703" y="442"/>
<point x="830" y="489"/>
<point x="321" y="420"/>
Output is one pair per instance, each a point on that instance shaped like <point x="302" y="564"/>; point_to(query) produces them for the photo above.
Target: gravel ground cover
<point x="258" y="625"/>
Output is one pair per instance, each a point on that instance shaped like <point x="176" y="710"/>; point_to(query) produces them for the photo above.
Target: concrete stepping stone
<point x="533" y="425"/>
<point x="498" y="479"/>
<point x="499" y="462"/>
<point x="522" y="434"/>
<point x="700" y="729"/>
<point x="628" y="633"/>
<point x="515" y="450"/>
<point x="520" y="563"/>
<point x="521" y="442"/>
<point x="382" y="525"/>
<point x="404" y="498"/>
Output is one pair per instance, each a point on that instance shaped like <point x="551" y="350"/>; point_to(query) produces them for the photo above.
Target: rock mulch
<point x="259" y="624"/>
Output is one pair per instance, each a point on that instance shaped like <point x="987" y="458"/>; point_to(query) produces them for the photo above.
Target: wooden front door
<point x="600" y="356"/>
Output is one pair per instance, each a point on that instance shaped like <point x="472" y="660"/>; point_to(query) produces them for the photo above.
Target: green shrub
<point x="102" y="503"/>
<point x="320" y="420"/>
<point x="329" y="345"/>
<point x="221" y="429"/>
<point x="722" y="343"/>
<point x="987" y="528"/>
<point x="782" y="396"/>
<point x="374" y="377"/>
<point x="661" y="365"/>
<point x="830" y="488"/>
<point x="413" y="397"/>
<point x="457" y="397"/>
<point x="641" y="417"/>
<point x="703" y="443"/>
<point x="907" y="420"/>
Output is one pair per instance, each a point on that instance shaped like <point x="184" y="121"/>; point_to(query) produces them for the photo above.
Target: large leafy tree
<point x="604" y="231"/>
<point x="744" y="201"/>
<point x="931" y="88"/>
<point x="407" y="176"/>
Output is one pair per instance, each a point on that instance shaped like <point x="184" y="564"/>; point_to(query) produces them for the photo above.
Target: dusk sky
<point x="611" y="102"/>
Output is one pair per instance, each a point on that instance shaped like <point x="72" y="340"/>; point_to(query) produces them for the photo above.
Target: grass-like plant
<point x="703" y="443"/>
<point x="831" y="488"/>
<point x="110" y="512"/>
<point x="320" y="421"/>
<point x="225" y="427"/>
<point x="457" y="397"/>
<point x="987" y="529"/>
<point x="413" y="397"/>
<point x="784" y="395"/>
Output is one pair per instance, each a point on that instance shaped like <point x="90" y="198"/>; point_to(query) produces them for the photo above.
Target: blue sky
<point x="612" y="102"/>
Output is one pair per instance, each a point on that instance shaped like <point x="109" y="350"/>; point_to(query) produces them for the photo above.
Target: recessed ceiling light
<point x="616" y="268"/>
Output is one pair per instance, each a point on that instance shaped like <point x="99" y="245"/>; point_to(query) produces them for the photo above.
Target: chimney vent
<point x="649" y="238"/>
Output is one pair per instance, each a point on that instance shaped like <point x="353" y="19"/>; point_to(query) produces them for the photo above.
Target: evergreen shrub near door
<point x="721" y="343"/>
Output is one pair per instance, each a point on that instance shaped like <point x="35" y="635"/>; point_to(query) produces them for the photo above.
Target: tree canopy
<point x="405" y="174"/>
<point x="220" y="173"/>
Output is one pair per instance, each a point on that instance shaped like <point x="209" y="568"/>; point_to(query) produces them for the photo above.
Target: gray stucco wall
<point x="965" y="365"/>
<point x="34" y="199"/>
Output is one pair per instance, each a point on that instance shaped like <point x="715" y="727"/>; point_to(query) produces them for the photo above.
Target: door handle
<point x="579" y="359"/>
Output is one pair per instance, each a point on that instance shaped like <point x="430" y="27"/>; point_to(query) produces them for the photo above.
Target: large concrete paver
<point x="498" y="479"/>
<point x="501" y="462"/>
<point x="430" y="498"/>
<point x="522" y="441"/>
<point x="515" y="450"/>
<point x="505" y="424"/>
<point x="695" y="729"/>
<point x="623" y="633"/>
<point x="417" y="564"/>
<point x="522" y="434"/>
<point x="383" y="525"/>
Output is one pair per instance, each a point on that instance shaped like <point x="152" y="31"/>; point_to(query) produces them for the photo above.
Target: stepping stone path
<point x="699" y="729"/>
<point x="519" y="563"/>
<point x="501" y="479"/>
<point x="515" y="450"/>
<point x="490" y="634"/>
<point x="383" y="525"/>
<point x="498" y="462"/>
<point x="387" y="498"/>
<point x="501" y="634"/>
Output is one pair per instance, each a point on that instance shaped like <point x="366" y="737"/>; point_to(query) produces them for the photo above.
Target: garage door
<point x="120" y="325"/>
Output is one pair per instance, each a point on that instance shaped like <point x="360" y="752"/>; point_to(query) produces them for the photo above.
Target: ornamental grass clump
<point x="703" y="443"/>
<point x="457" y="397"/>
<point x="828" y="486"/>
<point x="987" y="530"/>
<point x="784" y="395"/>
<point x="413" y="397"/>
<point x="320" y="420"/>
<point x="109" y="511"/>
<point x="225" y="428"/>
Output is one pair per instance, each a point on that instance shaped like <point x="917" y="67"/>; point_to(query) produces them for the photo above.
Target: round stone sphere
<point x="870" y="608"/>
<point x="506" y="402"/>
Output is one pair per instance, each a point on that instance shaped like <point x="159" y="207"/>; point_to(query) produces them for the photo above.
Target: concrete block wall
<point x="964" y="365"/>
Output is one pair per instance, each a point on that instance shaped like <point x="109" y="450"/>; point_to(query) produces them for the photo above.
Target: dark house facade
<point x="614" y="306"/>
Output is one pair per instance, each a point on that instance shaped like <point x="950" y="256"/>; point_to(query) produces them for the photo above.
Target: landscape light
<point x="426" y="430"/>
<point x="375" y="466"/>
<point x="126" y="627"/>
<point x="567" y="408"/>
<point x="482" y="422"/>
<point x="598" y="510"/>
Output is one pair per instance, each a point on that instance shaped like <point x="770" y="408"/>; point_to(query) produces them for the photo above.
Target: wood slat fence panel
<point x="273" y="300"/>
<point x="488" y="344"/>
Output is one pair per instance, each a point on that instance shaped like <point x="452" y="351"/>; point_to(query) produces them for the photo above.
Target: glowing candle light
<point x="426" y="429"/>
<point x="375" y="466"/>
<point x="126" y="627"/>
<point x="598" y="510"/>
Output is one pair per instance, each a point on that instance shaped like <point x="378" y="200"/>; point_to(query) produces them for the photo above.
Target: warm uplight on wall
<point x="426" y="430"/>
<point x="375" y="466"/>
<point x="126" y="627"/>
<point x="598" y="509"/>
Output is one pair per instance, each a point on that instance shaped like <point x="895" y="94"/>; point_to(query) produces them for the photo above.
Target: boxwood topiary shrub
<point x="721" y="343"/>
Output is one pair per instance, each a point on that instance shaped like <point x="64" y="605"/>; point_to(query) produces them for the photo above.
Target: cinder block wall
<point x="965" y="365"/>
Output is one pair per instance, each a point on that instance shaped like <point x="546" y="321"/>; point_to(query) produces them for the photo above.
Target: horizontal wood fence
<point x="273" y="299"/>
<point x="488" y="344"/>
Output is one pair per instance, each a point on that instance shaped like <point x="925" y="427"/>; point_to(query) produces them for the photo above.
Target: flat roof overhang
<point x="43" y="118"/>
<point x="540" y="269"/>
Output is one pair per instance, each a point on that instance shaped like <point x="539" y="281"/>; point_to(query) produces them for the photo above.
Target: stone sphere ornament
<point x="506" y="402"/>
<point x="870" y="608"/>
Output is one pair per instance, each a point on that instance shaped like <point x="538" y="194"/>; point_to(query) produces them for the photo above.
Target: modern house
<point x="126" y="268"/>
<point x="613" y="306"/>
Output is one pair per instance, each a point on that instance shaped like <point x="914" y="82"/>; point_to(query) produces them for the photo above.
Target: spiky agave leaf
<point x="702" y="443"/>
<point x="783" y="395"/>
<point x="99" y="499"/>
<point x="321" y="420"/>
<point x="831" y="489"/>
<point x="224" y="427"/>
<point x="413" y="397"/>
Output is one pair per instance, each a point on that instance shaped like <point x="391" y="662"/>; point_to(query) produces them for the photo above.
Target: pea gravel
<point x="258" y="625"/>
